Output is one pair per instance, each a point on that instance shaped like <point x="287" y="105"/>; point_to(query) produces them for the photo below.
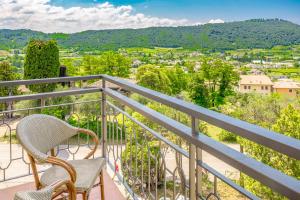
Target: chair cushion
<point x="87" y="171"/>
<point x="43" y="194"/>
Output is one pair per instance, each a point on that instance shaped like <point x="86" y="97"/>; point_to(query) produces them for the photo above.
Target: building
<point x="255" y="83"/>
<point x="287" y="87"/>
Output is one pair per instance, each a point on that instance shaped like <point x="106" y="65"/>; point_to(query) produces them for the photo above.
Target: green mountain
<point x="256" y="33"/>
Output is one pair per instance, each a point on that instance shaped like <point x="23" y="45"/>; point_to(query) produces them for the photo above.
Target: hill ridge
<point x="253" y="33"/>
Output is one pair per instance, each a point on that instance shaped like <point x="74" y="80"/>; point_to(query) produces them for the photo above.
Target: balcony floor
<point x="111" y="190"/>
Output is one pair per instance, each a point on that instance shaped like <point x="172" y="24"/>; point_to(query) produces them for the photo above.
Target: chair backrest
<point x="40" y="133"/>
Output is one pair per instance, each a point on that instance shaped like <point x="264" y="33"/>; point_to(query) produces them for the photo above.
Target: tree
<point x="114" y="64"/>
<point x="168" y="80"/>
<point x="288" y="124"/>
<point x="6" y="74"/>
<point x="177" y="78"/>
<point x="154" y="77"/>
<point x="91" y="65"/>
<point x="213" y="82"/>
<point x="72" y="65"/>
<point x="41" y="61"/>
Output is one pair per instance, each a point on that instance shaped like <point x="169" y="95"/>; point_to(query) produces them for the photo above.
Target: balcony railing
<point x="154" y="156"/>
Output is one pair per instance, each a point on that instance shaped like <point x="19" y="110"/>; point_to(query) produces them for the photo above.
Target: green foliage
<point x="111" y="63"/>
<point x="257" y="109"/>
<point x="41" y="61"/>
<point x="273" y="112"/>
<point x="214" y="37"/>
<point x="212" y="83"/>
<point x="141" y="147"/>
<point x="168" y="80"/>
<point x="6" y="74"/>
<point x="288" y="124"/>
<point x="153" y="77"/>
<point x="73" y="66"/>
<point x="115" y="64"/>
<point x="227" y="136"/>
<point x="58" y="111"/>
<point x="177" y="78"/>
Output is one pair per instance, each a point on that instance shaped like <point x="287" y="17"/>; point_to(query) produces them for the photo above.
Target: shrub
<point x="227" y="136"/>
<point x="41" y="61"/>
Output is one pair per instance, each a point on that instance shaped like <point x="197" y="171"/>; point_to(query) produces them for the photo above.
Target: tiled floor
<point x="111" y="191"/>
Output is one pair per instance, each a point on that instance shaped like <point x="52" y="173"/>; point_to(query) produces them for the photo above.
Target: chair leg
<point x="102" y="186"/>
<point x="84" y="196"/>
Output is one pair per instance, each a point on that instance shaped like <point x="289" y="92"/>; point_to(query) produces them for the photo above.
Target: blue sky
<point x="204" y="10"/>
<point x="71" y="16"/>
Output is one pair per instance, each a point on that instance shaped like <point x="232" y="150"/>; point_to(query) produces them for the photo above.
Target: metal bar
<point x="186" y="154"/>
<point x="192" y="165"/>
<point x="49" y="106"/>
<point x="48" y="94"/>
<point x="273" y="140"/>
<point x="195" y="131"/>
<point x="47" y="80"/>
<point x="228" y="181"/>
<point x="272" y="178"/>
<point x="103" y="122"/>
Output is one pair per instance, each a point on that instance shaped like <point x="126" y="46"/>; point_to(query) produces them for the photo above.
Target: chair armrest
<point x="57" y="186"/>
<point x="95" y="139"/>
<point x="69" y="168"/>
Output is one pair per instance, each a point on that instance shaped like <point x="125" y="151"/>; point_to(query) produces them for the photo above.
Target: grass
<point x="213" y="131"/>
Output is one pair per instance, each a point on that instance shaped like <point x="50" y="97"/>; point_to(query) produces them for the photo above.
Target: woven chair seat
<point x="87" y="171"/>
<point x="43" y="194"/>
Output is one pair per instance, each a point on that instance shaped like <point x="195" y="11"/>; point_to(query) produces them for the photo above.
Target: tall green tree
<point x="6" y="74"/>
<point x="154" y="77"/>
<point x="168" y="80"/>
<point x="91" y="65"/>
<point x="178" y="79"/>
<point x="41" y="61"/>
<point x="114" y="64"/>
<point x="213" y="82"/>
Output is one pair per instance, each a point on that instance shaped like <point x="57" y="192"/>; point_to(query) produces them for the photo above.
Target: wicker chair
<point x="48" y="193"/>
<point x="39" y="134"/>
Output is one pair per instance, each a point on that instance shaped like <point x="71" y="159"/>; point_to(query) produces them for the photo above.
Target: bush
<point x="41" y="61"/>
<point x="227" y="136"/>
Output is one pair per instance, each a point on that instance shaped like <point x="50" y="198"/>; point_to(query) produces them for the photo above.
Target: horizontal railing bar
<point x="48" y="80"/>
<point x="49" y="106"/>
<point x="272" y="178"/>
<point x="186" y="154"/>
<point x="273" y="140"/>
<point x="48" y="94"/>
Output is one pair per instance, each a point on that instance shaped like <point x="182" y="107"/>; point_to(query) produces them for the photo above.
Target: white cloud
<point x="216" y="21"/>
<point x="42" y="16"/>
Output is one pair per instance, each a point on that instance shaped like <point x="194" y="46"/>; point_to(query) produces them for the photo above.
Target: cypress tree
<point x="41" y="61"/>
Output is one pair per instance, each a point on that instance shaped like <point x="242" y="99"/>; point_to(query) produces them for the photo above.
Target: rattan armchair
<point x="48" y="193"/>
<point x="39" y="134"/>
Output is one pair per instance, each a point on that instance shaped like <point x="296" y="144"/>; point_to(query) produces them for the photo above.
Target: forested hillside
<point x="256" y="33"/>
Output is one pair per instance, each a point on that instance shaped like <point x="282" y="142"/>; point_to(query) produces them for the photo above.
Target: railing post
<point x="10" y="105"/>
<point x="103" y="122"/>
<point x="192" y="165"/>
<point x="195" y="130"/>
